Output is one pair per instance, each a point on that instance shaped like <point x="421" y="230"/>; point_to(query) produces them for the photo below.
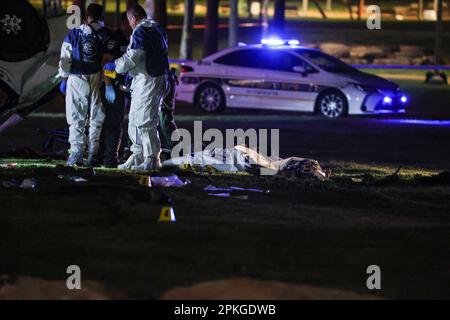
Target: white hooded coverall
<point x="146" y="96"/>
<point x="82" y="93"/>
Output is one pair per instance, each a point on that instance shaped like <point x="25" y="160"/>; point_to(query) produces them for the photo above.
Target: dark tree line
<point x="158" y="10"/>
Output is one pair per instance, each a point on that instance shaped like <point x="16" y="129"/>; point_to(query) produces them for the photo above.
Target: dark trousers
<point x="167" y="123"/>
<point x="112" y="128"/>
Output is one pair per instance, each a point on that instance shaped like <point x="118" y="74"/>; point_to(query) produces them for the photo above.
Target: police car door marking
<point x="258" y="86"/>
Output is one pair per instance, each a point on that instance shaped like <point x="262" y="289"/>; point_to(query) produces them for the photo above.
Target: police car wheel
<point x="210" y="98"/>
<point x="332" y="104"/>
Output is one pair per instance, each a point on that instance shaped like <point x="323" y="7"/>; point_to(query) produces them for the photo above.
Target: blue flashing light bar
<point x="279" y="42"/>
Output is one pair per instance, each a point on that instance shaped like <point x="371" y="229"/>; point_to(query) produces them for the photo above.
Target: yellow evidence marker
<point x="167" y="215"/>
<point x="145" y="181"/>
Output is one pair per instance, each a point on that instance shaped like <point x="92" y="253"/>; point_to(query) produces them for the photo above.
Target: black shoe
<point x="91" y="161"/>
<point x="110" y="163"/>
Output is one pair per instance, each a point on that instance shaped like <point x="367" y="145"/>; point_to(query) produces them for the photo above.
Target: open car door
<point x="29" y="57"/>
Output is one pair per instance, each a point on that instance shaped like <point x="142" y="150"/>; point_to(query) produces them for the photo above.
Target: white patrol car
<point x="281" y="75"/>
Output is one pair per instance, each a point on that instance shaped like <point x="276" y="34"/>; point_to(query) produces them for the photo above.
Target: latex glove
<point x="63" y="86"/>
<point x="110" y="94"/>
<point x="128" y="80"/>
<point x="110" y="66"/>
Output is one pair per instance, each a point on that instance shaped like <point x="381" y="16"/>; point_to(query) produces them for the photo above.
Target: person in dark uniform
<point x="114" y="112"/>
<point x="167" y="125"/>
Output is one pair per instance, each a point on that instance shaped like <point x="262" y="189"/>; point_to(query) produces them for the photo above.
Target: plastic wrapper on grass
<point x="165" y="182"/>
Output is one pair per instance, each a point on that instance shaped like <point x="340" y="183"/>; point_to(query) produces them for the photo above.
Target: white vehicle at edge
<point x="285" y="77"/>
<point x="29" y="58"/>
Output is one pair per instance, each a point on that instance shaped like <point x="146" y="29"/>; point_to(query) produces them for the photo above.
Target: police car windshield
<point x="325" y="62"/>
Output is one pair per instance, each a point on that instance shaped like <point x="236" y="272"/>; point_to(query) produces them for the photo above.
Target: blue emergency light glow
<point x="404" y="99"/>
<point x="387" y="100"/>
<point x="272" y="42"/>
<point x="439" y="123"/>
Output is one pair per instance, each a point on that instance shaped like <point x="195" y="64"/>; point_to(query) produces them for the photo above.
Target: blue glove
<point x="110" y="94"/>
<point x="110" y="66"/>
<point x="63" y="86"/>
<point x="128" y="80"/>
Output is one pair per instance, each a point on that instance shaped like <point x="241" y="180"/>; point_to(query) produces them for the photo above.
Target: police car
<point x="282" y="75"/>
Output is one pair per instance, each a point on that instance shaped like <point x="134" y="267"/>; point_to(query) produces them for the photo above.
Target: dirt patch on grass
<point x="251" y="289"/>
<point x="27" y="288"/>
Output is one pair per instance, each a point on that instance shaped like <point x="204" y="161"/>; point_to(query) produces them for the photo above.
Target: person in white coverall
<point x="80" y="67"/>
<point x="146" y="61"/>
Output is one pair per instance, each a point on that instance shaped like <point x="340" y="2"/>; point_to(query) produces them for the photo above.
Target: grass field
<point x="306" y="232"/>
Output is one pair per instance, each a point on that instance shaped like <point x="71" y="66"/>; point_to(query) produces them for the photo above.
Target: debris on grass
<point x="241" y="197"/>
<point x="166" y="182"/>
<point x="222" y="195"/>
<point x="211" y="188"/>
<point x="12" y="183"/>
<point x="25" y="184"/>
<point x="228" y="195"/>
<point x="12" y="165"/>
<point x="29" y="183"/>
<point x="72" y="178"/>
<point x="228" y="192"/>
